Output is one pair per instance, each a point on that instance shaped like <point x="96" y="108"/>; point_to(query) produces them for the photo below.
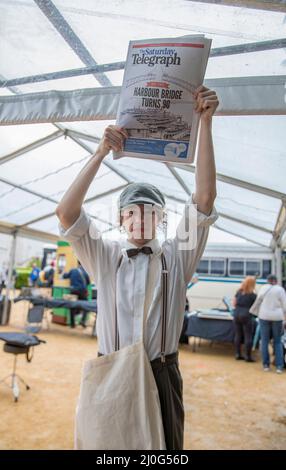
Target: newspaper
<point x="156" y="103"/>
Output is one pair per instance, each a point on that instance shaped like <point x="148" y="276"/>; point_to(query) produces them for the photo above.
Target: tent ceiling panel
<point x="9" y="229"/>
<point x="108" y="199"/>
<point x="50" y="225"/>
<point x="4" y="188"/>
<point x="252" y="148"/>
<point x="181" y="15"/>
<point x="86" y="81"/>
<point x="105" y="179"/>
<point x="137" y="170"/>
<point x="243" y="231"/>
<point x="272" y="62"/>
<point x="105" y="208"/>
<point x="59" y="22"/>
<point x="116" y="77"/>
<point x="107" y="47"/>
<point x="93" y="128"/>
<point x="112" y="48"/>
<point x="13" y="138"/>
<point x="43" y="37"/>
<point x="33" y="43"/>
<point x="43" y="161"/>
<point x="100" y="70"/>
<point x="52" y="186"/>
<point x="146" y="171"/>
<point x="19" y="207"/>
<point x="215" y="234"/>
<point x="12" y="200"/>
<point x="241" y="203"/>
<point x="271" y="5"/>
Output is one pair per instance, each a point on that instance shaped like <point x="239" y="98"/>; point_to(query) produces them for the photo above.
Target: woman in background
<point x="243" y="300"/>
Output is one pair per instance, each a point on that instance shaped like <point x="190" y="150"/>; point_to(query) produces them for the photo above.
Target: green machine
<point x="65" y="261"/>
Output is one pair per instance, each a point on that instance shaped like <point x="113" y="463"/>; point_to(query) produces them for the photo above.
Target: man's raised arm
<point x="205" y="192"/>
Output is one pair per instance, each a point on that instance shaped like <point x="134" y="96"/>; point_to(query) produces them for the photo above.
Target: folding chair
<point x="35" y="318"/>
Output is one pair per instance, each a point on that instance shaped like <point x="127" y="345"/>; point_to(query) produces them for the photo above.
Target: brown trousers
<point x="170" y="387"/>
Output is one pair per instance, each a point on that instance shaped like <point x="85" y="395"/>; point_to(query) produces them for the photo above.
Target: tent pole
<point x="9" y="277"/>
<point x="278" y="263"/>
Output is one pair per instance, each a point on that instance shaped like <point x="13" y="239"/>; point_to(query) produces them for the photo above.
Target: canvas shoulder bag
<point x="119" y="406"/>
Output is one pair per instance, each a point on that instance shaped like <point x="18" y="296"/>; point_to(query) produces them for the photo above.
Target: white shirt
<point x="138" y="282"/>
<point x="273" y="307"/>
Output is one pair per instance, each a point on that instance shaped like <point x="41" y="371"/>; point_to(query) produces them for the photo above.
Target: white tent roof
<point x="61" y="69"/>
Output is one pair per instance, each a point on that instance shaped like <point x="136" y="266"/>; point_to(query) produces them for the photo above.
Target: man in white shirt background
<point x="272" y="315"/>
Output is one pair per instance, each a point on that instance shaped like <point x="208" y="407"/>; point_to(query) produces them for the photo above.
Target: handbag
<point x="255" y="307"/>
<point x="119" y="406"/>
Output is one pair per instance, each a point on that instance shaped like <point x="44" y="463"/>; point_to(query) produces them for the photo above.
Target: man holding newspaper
<point x="132" y="395"/>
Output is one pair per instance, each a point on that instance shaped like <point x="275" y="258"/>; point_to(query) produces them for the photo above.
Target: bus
<point x="222" y="269"/>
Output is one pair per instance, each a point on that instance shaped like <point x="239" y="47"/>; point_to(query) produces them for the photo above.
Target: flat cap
<point x="141" y="193"/>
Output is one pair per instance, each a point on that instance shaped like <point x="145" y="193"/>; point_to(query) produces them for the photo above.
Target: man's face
<point x="140" y="222"/>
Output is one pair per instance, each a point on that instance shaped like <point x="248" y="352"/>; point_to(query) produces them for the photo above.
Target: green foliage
<point x="22" y="277"/>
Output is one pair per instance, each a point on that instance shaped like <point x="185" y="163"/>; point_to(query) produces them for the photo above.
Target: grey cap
<point x="141" y="193"/>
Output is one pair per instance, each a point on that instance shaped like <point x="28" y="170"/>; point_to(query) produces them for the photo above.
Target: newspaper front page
<point x="156" y="103"/>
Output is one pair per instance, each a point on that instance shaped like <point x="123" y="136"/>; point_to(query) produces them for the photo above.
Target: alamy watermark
<point x="142" y="222"/>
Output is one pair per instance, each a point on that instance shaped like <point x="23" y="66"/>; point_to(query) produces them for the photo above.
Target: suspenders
<point x="163" y="311"/>
<point x="116" y="316"/>
<point x="164" y="306"/>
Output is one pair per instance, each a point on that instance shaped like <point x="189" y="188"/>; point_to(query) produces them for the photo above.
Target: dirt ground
<point x="228" y="404"/>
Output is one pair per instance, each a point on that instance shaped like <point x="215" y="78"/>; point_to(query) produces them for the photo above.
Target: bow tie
<point x="134" y="251"/>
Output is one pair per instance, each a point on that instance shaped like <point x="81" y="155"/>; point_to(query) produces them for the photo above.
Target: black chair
<point x="18" y="343"/>
<point x="35" y="318"/>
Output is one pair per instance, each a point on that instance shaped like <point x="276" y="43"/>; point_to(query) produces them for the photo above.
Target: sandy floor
<point x="228" y="404"/>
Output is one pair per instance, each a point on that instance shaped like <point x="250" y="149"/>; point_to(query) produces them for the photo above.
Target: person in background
<point x="272" y="313"/>
<point x="243" y="300"/>
<point x="12" y="281"/>
<point x="79" y="281"/>
<point x="2" y="278"/>
<point x="49" y="272"/>
<point x="184" y="339"/>
<point x="34" y="276"/>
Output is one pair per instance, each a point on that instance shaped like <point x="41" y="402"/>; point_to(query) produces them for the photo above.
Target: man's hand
<point x="113" y="139"/>
<point x="206" y="102"/>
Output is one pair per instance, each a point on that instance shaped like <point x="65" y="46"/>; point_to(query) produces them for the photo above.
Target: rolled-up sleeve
<point x="93" y="252"/>
<point x="191" y="237"/>
<point x="77" y="230"/>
